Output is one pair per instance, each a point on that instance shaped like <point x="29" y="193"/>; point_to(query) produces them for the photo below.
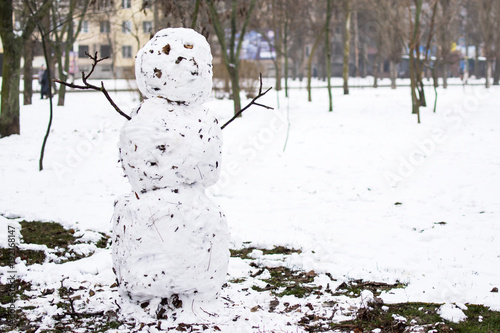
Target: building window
<point x="127" y="51"/>
<point x="126" y="3"/>
<point x="147" y="27"/>
<point x="85" y="26"/>
<point x="105" y="27"/>
<point x="105" y="51"/>
<point x="147" y="4"/>
<point x="98" y="4"/>
<point x="126" y="27"/>
<point x="82" y="49"/>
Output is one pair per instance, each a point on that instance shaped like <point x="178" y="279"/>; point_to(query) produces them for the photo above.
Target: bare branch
<point x="87" y="85"/>
<point x="251" y="103"/>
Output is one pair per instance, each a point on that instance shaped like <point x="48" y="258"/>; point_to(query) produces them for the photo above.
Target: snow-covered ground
<point x="364" y="191"/>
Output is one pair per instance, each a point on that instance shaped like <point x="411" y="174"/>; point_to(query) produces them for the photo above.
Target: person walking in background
<point x="40" y="76"/>
<point x="45" y="84"/>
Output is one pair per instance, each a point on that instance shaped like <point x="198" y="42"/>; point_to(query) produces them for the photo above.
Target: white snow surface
<point x="452" y="312"/>
<point x="364" y="191"/>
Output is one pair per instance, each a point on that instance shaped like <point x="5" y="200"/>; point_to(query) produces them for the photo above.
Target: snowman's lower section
<point x="170" y="242"/>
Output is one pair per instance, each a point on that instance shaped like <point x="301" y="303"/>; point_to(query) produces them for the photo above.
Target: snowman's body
<point x="169" y="238"/>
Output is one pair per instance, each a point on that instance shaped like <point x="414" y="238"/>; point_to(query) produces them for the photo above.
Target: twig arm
<point x="252" y="102"/>
<point x="87" y="85"/>
<point x="105" y="92"/>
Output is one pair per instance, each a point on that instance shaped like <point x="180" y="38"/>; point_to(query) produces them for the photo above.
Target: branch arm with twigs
<point x="252" y="102"/>
<point x="88" y="85"/>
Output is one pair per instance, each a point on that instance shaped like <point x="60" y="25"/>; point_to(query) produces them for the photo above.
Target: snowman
<point x="171" y="242"/>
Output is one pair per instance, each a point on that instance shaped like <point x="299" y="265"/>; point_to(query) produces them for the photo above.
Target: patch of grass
<point x="10" y="292"/>
<point x="281" y="250"/>
<point x="103" y="242"/>
<point x="47" y="233"/>
<point x="489" y="323"/>
<point x="54" y="236"/>
<point x="111" y="325"/>
<point x="244" y="252"/>
<point x="5" y="257"/>
<point x="16" y="321"/>
<point x="284" y="281"/>
<point x="355" y="287"/>
<point x="31" y="256"/>
<point x="381" y="316"/>
<point x="421" y="317"/>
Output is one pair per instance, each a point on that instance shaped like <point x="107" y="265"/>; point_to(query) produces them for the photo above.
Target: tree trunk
<point x="476" y="62"/>
<point x="414" y="58"/>
<point x="278" y="73"/>
<point x="445" y="75"/>
<point x="435" y="76"/>
<point x="328" y="50"/>
<point x="356" y="42"/>
<point x="376" y="71"/>
<point x="285" y="54"/>
<point x="496" y="74"/>
<point x="195" y="14"/>
<point x="347" y="40"/>
<point x="309" y="63"/>
<point x="64" y="68"/>
<point x="413" y="82"/>
<point x="364" y="60"/>
<point x="393" y="68"/>
<point x="28" y="71"/>
<point x="12" y="52"/>
<point x="9" y="116"/>
<point x="489" y="65"/>
<point x="232" y="59"/>
<point x="235" y="87"/>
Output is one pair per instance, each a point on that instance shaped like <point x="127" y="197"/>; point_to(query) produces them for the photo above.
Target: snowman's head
<point x="175" y="64"/>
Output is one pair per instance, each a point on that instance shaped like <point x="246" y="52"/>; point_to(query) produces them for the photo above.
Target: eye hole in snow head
<point x="188" y="46"/>
<point x="166" y="49"/>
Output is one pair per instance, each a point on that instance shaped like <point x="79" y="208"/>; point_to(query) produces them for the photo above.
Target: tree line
<point x="361" y="36"/>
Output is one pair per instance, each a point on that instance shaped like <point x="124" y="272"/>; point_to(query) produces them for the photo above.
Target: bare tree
<point x="355" y="26"/>
<point x="414" y="46"/>
<point x="347" y="43"/>
<point x="181" y="13"/>
<point x="396" y="35"/>
<point x="496" y="74"/>
<point x="28" y="55"/>
<point x="328" y="53"/>
<point x="230" y="47"/>
<point x="446" y="33"/>
<point x="486" y="18"/>
<point x="64" y="35"/>
<point x="286" y="20"/>
<point x="13" y="42"/>
<point x="386" y="29"/>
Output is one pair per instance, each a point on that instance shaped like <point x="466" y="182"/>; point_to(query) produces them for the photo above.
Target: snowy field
<point x="364" y="192"/>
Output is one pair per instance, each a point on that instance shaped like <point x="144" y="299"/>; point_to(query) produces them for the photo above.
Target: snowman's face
<point x="175" y="64"/>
